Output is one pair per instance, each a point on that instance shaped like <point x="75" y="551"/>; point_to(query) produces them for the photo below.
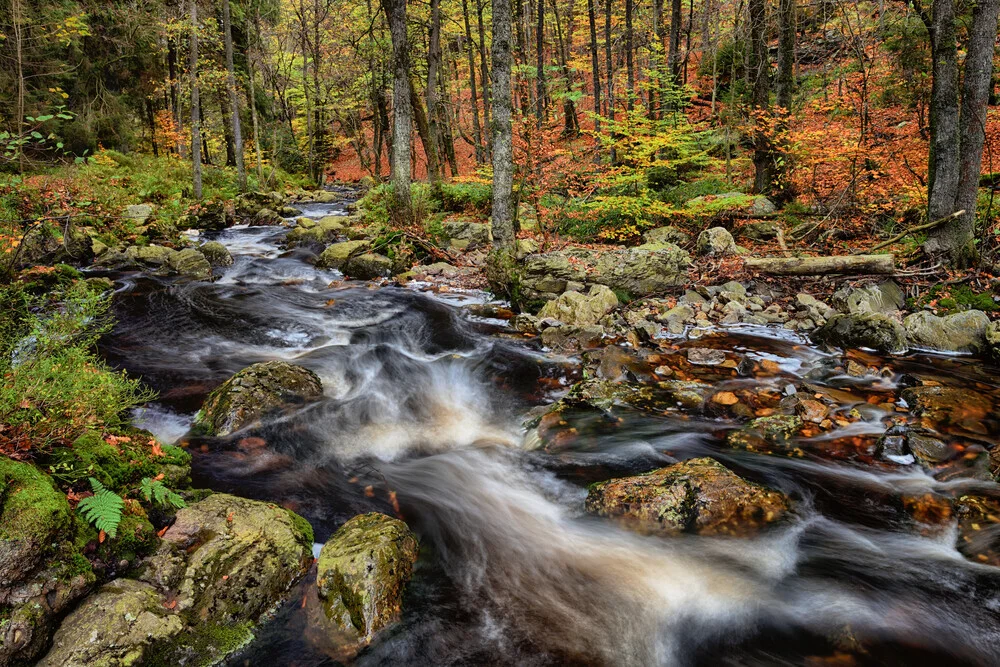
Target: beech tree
<point x="402" y="110"/>
<point x="196" y="141"/>
<point x="502" y="132"/>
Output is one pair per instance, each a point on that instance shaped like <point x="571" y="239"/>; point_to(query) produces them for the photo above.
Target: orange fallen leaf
<point x="162" y="531"/>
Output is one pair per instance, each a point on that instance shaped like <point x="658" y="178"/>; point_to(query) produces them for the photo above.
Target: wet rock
<point x="115" y="627"/>
<point x="656" y="397"/>
<point x="863" y="330"/>
<point x="150" y="255"/>
<point x="991" y="338"/>
<point x="815" y="309"/>
<point x="702" y="356"/>
<point x="266" y="217"/>
<point x="325" y="230"/>
<point x="811" y="410"/>
<point x="765" y="433"/>
<point x="979" y="528"/>
<point x="212" y="216"/>
<point x="572" y="337"/>
<point x="697" y="496"/>
<point x="289" y="212"/>
<point x="191" y="263"/>
<point x="361" y="573"/>
<point x="579" y="309"/>
<point x="368" y="266"/>
<point x="254" y="392"/>
<point x="248" y="204"/>
<point x="885" y="297"/>
<point x="229" y="560"/>
<point x="216" y="254"/>
<point x="715" y="242"/>
<point x="336" y="255"/>
<point x="940" y="407"/>
<point x="477" y="234"/>
<point x="525" y="323"/>
<point x="677" y="319"/>
<point x="668" y="234"/>
<point x="961" y="332"/>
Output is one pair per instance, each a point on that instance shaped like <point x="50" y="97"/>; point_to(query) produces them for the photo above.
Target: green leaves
<point x="103" y="509"/>
<point x="155" y="491"/>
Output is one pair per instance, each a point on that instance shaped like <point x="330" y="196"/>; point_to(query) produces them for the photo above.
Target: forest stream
<point x="423" y="416"/>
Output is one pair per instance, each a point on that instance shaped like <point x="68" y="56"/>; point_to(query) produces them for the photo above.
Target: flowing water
<point x="423" y="408"/>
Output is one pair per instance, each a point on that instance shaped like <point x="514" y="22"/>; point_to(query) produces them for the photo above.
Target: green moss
<point x="303" y="527"/>
<point x="201" y="645"/>
<point x="31" y="507"/>
<point x="136" y="537"/>
<point x="954" y="299"/>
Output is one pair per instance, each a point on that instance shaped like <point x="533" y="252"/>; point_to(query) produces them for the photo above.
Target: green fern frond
<point x="155" y="491"/>
<point x="103" y="509"/>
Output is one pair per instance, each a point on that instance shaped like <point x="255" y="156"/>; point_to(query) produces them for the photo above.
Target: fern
<point x="155" y="491"/>
<point x="103" y="509"/>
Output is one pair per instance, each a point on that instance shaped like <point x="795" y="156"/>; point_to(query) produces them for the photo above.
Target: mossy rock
<point x="369" y="266"/>
<point x="230" y="559"/>
<point x="875" y="331"/>
<point x="119" y="467"/>
<point x="253" y="393"/>
<point x="697" y="496"/>
<point x="337" y="255"/>
<point x="361" y="574"/>
<point x="34" y="517"/>
<point x="116" y="627"/>
<point x="767" y="434"/>
<point x="216" y="254"/>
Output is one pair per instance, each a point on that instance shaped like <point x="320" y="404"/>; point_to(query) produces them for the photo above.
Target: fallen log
<point x="814" y="266"/>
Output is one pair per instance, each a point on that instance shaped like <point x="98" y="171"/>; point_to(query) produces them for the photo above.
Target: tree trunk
<point x="674" y="50"/>
<point x="484" y="69"/>
<point x="943" y="169"/>
<point x="175" y="93"/>
<point x="234" y="98"/>
<point x="571" y="125"/>
<point x="195" y="105"/>
<point x="955" y="238"/>
<point x="786" y="54"/>
<point x="253" y="109"/>
<point x="610" y="72"/>
<point x="151" y="118"/>
<point x="431" y="91"/>
<point x="424" y="132"/>
<point x="629" y="62"/>
<point x="595" y="65"/>
<point x="477" y="133"/>
<point x="227" y="126"/>
<point x="402" y="114"/>
<point x="540" y="100"/>
<point x="757" y="72"/>
<point x="502" y="136"/>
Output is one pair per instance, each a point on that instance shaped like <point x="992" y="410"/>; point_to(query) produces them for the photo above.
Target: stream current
<point x="423" y="407"/>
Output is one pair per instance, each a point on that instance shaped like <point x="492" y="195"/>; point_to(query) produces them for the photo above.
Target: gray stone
<point x="578" y="309"/>
<point x="885" y="297"/>
<point x="191" y="263"/>
<point x="759" y="231"/>
<point x="715" y="242"/>
<point x="863" y="330"/>
<point x="960" y="332"/>
<point x="139" y="213"/>
<point x="701" y="356"/>
<point x="267" y="217"/>
<point x="476" y="233"/>
<point x="216" y="254"/>
<point x="668" y="234"/>
<point x="368" y="266"/>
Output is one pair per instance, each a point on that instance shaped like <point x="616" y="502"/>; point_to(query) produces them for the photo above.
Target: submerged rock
<point x="229" y="560"/>
<point x="961" y="332"/>
<point x="764" y="434"/>
<point x="361" y="573"/>
<point x="252" y="393"/>
<point x="868" y="330"/>
<point x="116" y="627"/>
<point x="939" y="407"/>
<point x="697" y="496"/>
<point x="580" y="309"/>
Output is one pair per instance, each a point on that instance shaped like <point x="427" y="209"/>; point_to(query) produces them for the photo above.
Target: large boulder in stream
<point x="325" y="230"/>
<point x="216" y="254"/>
<point x="42" y="574"/>
<point x="251" y="394"/>
<point x="885" y="297"/>
<point x="361" y="573"/>
<point x="960" y="332"/>
<point x="337" y="255"/>
<point x="368" y="266"/>
<point x="699" y="496"/>
<point x="868" y="330"/>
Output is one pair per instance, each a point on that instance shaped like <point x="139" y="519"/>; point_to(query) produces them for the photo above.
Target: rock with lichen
<point x="253" y="393"/>
<point x="697" y="496"/>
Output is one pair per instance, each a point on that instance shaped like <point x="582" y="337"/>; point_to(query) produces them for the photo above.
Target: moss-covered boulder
<point x="336" y="255"/>
<point x="767" y="434"/>
<point x="216" y="254"/>
<point x="581" y="309"/>
<point x="715" y="242"/>
<point x="477" y="234"/>
<point x="229" y="560"/>
<point x="870" y="330"/>
<point x="361" y="574"/>
<point x="190" y="263"/>
<point x="667" y="234"/>
<point x="42" y="573"/>
<point x="115" y="627"/>
<point x="248" y="204"/>
<point x="369" y="266"/>
<point x="267" y="217"/>
<point x="254" y="392"/>
<point x="325" y="230"/>
<point x="961" y="332"/>
<point x="642" y="271"/>
<point x="697" y="496"/>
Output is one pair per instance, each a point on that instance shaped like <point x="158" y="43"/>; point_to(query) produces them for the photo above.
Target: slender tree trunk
<point x="957" y="168"/>
<point x="757" y="73"/>
<point x="674" y="49"/>
<point x="195" y="105"/>
<point x="402" y="110"/>
<point x="175" y="94"/>
<point x="251" y="76"/>
<point x="540" y="100"/>
<point x="225" y="112"/>
<point x="595" y="65"/>
<point x="477" y="133"/>
<point x="610" y="71"/>
<point x="151" y="118"/>
<point x="424" y="132"/>
<point x="16" y="18"/>
<point x="234" y="98"/>
<point x="786" y="54"/>
<point x="522" y="54"/>
<point x="431" y="92"/>
<point x="629" y="55"/>
<point x="502" y="136"/>
<point x="571" y="124"/>
<point x="483" y="68"/>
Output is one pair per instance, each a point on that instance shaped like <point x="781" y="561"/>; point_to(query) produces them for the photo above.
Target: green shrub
<point x="465" y="197"/>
